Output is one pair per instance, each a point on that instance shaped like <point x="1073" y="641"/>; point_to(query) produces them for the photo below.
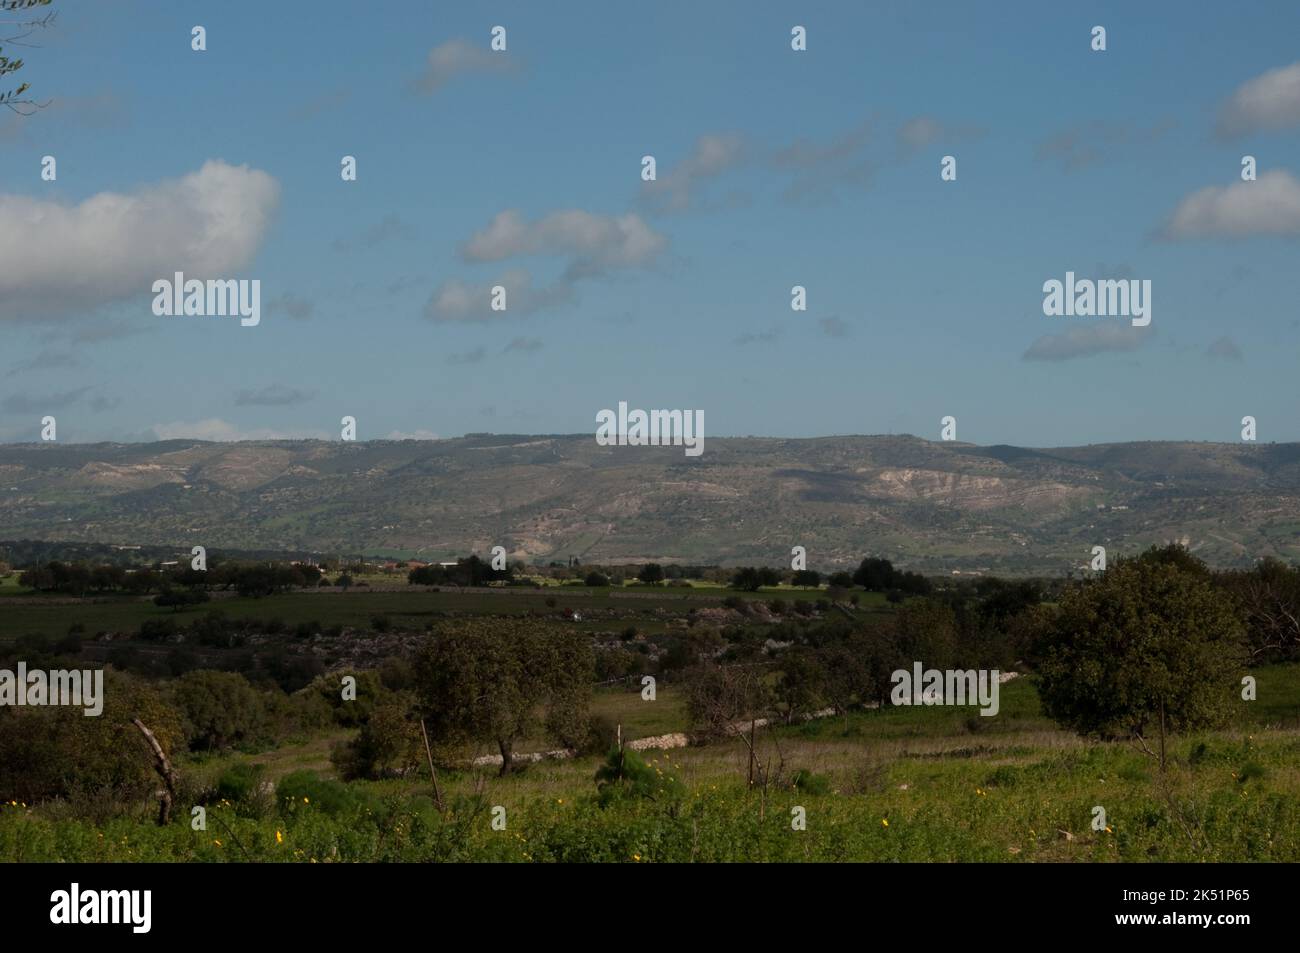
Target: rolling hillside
<point x="931" y="506"/>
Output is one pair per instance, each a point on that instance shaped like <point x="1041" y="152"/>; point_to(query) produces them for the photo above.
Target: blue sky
<point x="775" y="168"/>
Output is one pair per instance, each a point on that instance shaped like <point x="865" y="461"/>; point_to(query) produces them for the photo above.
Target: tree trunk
<point x="507" y="754"/>
<point x="164" y="768"/>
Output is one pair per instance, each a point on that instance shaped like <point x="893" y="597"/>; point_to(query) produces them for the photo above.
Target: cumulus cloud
<point x="1268" y="206"/>
<point x="456" y="58"/>
<point x="595" y="243"/>
<point x="59" y="257"/>
<point x="1086" y="341"/>
<point x="1267" y="102"/>
<point x="273" y="395"/>
<point x="456" y="300"/>
<point x="1224" y="349"/>
<point x="675" y="189"/>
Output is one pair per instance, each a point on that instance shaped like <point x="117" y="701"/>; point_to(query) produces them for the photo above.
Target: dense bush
<point x="220" y="710"/>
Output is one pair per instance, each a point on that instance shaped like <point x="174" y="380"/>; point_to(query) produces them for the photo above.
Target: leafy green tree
<point x="799" y="689"/>
<point x="807" y="577"/>
<point x="926" y="631"/>
<point x="1150" y="645"/>
<point x="651" y="574"/>
<point x="488" y="679"/>
<point x="387" y="745"/>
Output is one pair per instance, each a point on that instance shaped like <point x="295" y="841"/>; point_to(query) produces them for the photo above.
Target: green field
<point x="915" y="784"/>
<point x="25" y="613"/>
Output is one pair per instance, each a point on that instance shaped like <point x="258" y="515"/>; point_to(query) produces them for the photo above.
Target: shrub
<point x="809" y="783"/>
<point x="308" y="788"/>
<point x="220" y="709"/>
<point x="239" y="782"/>
<point x="626" y="776"/>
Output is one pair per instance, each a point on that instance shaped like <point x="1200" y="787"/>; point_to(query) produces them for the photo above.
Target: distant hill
<point x="929" y="506"/>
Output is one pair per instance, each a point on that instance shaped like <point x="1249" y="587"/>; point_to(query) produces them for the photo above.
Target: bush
<point x="220" y="709"/>
<point x="626" y="776"/>
<point x="56" y="751"/>
<point x="309" y="788"/>
<point x="387" y="745"/>
<point x="239" y="782"/>
<point x="808" y="783"/>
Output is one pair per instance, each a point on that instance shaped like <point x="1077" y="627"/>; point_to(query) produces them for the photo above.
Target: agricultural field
<point x="909" y="784"/>
<point x="802" y="777"/>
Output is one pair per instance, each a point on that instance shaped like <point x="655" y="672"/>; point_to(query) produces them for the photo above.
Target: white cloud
<point x="456" y="300"/>
<point x="596" y="242"/>
<point x="1268" y="206"/>
<point x="1270" y="101"/>
<point x="1087" y="340"/>
<point x="458" y="58"/>
<point x="713" y="154"/>
<point x="59" y="258"/>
